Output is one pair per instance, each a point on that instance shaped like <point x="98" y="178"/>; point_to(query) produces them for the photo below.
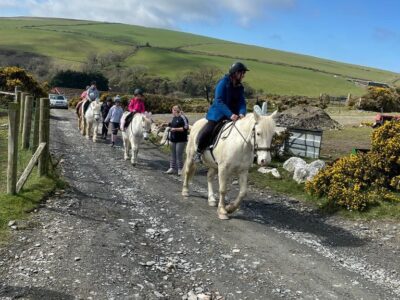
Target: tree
<point x="92" y="64"/>
<point x="126" y="80"/>
<point x="206" y="78"/>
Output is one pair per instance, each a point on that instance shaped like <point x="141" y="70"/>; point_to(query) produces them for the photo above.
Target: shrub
<point x="356" y="181"/>
<point x="72" y="102"/>
<point x="278" y="141"/>
<point x="380" y="99"/>
<point x="10" y="77"/>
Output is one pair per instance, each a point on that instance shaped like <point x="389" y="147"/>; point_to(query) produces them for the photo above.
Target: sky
<point x="361" y="32"/>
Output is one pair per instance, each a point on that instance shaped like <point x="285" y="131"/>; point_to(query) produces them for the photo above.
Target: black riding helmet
<point x="138" y="92"/>
<point x="237" y="67"/>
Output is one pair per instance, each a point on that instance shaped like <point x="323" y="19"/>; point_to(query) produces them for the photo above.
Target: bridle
<point x="148" y="131"/>
<point x="256" y="147"/>
<point x="254" y="136"/>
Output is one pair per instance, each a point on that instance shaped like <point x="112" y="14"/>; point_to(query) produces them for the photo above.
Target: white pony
<point x="91" y="120"/>
<point x="138" y="129"/>
<point x="233" y="155"/>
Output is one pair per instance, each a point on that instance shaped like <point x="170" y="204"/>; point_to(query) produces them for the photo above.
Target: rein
<point x="160" y="145"/>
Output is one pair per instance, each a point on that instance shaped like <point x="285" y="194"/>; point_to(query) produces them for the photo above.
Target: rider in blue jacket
<point x="229" y="104"/>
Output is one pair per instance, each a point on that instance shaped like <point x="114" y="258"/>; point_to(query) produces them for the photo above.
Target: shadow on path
<point x="34" y="293"/>
<point x="284" y="217"/>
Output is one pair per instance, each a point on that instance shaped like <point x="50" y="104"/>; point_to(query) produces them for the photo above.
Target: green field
<point x="171" y="53"/>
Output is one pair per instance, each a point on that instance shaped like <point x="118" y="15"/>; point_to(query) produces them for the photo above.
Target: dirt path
<point x="123" y="232"/>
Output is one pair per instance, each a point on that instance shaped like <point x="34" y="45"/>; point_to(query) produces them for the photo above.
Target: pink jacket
<point x="83" y="95"/>
<point x="136" y="105"/>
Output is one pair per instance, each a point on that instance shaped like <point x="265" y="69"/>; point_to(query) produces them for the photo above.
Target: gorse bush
<point x="357" y="181"/>
<point x="10" y="77"/>
<point x="380" y="99"/>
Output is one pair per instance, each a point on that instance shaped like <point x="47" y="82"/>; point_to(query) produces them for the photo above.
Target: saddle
<point x="86" y="106"/>
<point x="216" y="134"/>
<point x="128" y="119"/>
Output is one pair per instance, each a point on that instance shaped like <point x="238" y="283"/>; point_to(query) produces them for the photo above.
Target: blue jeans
<point x="176" y="160"/>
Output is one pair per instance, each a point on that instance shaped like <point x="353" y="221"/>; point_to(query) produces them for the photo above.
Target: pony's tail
<point x="189" y="169"/>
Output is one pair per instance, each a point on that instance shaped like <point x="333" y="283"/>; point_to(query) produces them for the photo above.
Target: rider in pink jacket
<point x="136" y="104"/>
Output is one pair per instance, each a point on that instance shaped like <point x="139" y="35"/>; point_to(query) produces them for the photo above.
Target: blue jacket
<point x="224" y="104"/>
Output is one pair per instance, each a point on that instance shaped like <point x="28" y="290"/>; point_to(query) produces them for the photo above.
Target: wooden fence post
<point x="21" y="110"/>
<point x="348" y="99"/>
<point x="18" y="98"/>
<point x="13" y="123"/>
<point x="17" y="92"/>
<point x="27" y="124"/>
<point x="35" y="139"/>
<point x="44" y="135"/>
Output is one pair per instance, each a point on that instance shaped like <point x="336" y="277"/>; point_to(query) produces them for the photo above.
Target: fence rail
<point x="7" y="93"/>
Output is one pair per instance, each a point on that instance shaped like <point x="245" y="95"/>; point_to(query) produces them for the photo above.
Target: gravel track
<point x="124" y="232"/>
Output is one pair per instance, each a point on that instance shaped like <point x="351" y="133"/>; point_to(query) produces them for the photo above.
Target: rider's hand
<point x="234" y="117"/>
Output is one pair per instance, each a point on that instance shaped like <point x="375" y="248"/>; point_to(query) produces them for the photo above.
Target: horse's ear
<point x="264" y="108"/>
<point x="274" y="115"/>
<point x="257" y="110"/>
<point x="256" y="116"/>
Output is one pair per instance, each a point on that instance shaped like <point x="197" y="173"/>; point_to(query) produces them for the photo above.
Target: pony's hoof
<point x="230" y="208"/>
<point x="126" y="158"/>
<point x="223" y="216"/>
<point x="88" y="137"/>
<point x="212" y="203"/>
<point x="185" y="193"/>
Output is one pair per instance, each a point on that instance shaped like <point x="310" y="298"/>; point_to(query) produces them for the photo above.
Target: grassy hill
<point x="171" y="53"/>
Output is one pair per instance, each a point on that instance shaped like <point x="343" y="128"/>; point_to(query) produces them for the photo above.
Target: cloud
<point x="152" y="13"/>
